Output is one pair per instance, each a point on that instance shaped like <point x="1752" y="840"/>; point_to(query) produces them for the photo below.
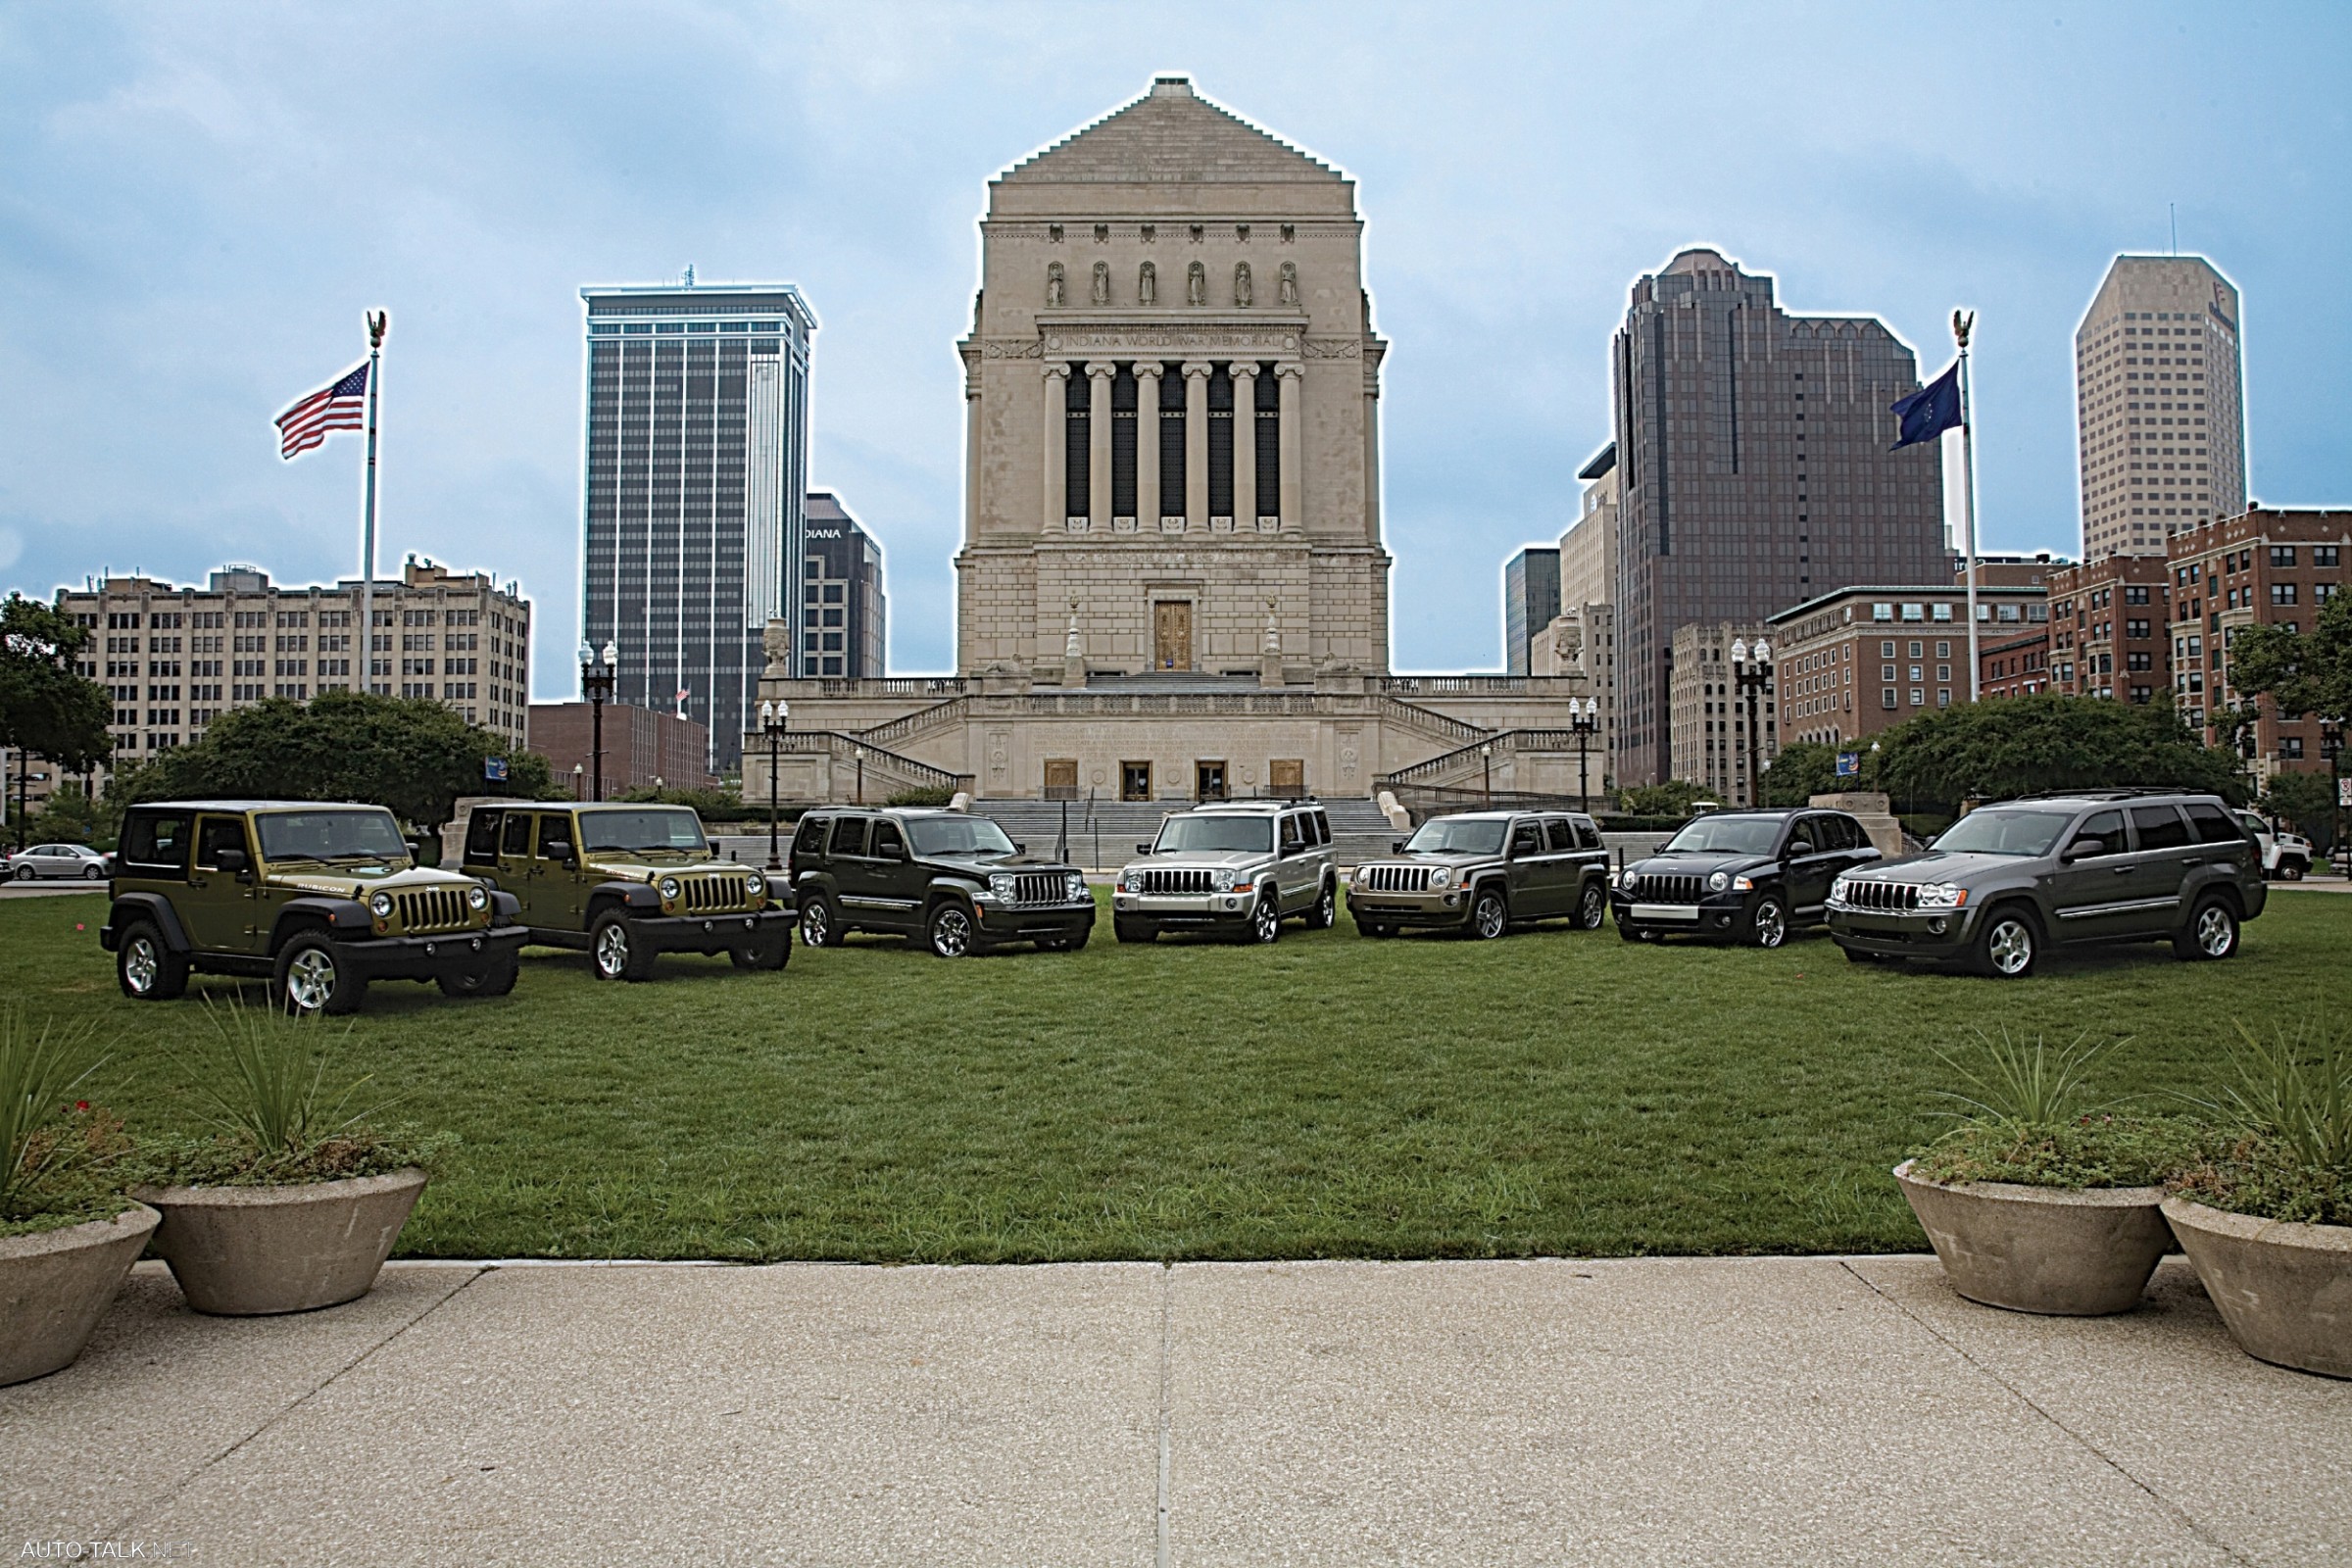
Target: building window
<point x="2282" y="555"/>
<point x="2282" y="593"/>
<point x="1886" y="698"/>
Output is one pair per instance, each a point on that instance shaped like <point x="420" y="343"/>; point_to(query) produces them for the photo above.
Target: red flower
<point x="82" y="1105"/>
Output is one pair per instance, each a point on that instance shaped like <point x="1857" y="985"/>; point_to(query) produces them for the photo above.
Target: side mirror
<point x="1018" y="848"/>
<point x="234" y="860"/>
<point x="2083" y="849"/>
<point x="1140" y="848"/>
<point x="556" y="850"/>
<point x="1395" y="846"/>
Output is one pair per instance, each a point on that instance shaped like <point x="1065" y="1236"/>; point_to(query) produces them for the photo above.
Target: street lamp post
<point x="1751" y="669"/>
<point x="1585" y="720"/>
<point x="1486" y="764"/>
<point x="772" y="718"/>
<point x="579" y="791"/>
<point x="596" y="684"/>
<point x="859" y="753"/>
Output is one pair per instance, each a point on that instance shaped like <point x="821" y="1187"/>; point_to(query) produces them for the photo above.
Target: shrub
<point x="2028" y="1117"/>
<point x="921" y="797"/>
<point x="54" y="1150"/>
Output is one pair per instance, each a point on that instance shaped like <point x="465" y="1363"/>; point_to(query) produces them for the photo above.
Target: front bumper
<point x="1721" y="915"/>
<point x="1177" y="911"/>
<point x="1932" y="934"/>
<point x="711" y="933"/>
<point x="1032" y="922"/>
<point x="428" y="957"/>
<point x="1451" y="908"/>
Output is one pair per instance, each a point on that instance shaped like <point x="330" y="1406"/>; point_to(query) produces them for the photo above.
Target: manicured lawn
<point x="1560" y="1093"/>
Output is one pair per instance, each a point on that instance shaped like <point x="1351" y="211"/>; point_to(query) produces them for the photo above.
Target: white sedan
<point x="73" y="861"/>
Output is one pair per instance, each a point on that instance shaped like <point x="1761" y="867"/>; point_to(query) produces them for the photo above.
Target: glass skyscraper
<point x="696" y="473"/>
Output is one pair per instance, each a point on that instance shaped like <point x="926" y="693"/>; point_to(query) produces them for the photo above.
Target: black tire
<point x="1134" y="931"/>
<point x="2211" y="933"/>
<point x="312" y="977"/>
<point x="1767" y="922"/>
<point x="493" y="978"/>
<point x="949" y="931"/>
<point x="1061" y="944"/>
<point x="1375" y="930"/>
<point x="1628" y="933"/>
<point x="146" y="968"/>
<point x="25" y="873"/>
<point x="1324" y="912"/>
<point x="2008" y="945"/>
<point x="2293" y="870"/>
<point x="1592" y="906"/>
<point x="93" y="872"/>
<point x="821" y="923"/>
<point x="1490" y="914"/>
<point x="614" y="952"/>
<point x="766" y="953"/>
<point x="1265" y="922"/>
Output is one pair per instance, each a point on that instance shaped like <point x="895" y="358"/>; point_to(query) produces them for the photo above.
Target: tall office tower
<point x="697" y="464"/>
<point x="843" y="632"/>
<point x="2159" y="404"/>
<point x="1531" y="598"/>
<point x="1754" y="474"/>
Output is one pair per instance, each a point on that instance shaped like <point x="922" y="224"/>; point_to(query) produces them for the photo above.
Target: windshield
<point x="1215" y="833"/>
<point x="652" y="828"/>
<point x="356" y="834"/>
<point x="1725" y="835"/>
<point x="1993" y="831"/>
<point x="957" y="835"/>
<point x="1459" y="835"/>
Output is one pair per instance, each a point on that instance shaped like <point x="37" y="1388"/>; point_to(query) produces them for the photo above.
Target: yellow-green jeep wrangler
<point x="628" y="883"/>
<point x="316" y="898"/>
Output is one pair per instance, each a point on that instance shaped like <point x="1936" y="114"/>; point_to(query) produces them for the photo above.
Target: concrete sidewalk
<point x="1793" y="1410"/>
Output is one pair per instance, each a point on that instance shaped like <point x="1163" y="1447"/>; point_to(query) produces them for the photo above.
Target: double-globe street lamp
<point x="1585" y="720"/>
<point x="596" y="684"/>
<point x="772" y="718"/>
<point x="1751" y="669"/>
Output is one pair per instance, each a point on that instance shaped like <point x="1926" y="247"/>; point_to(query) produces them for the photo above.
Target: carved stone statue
<point x="1147" y="285"/>
<point x="1100" y="292"/>
<point x="1195" y="285"/>
<point x="1052" y="284"/>
<point x="776" y="643"/>
<point x="1287" y="285"/>
<point x="1240" y="283"/>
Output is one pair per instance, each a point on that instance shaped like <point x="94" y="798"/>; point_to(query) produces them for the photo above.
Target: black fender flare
<point x="150" y="906"/>
<point x="943" y="888"/>
<point x="634" y="898"/>
<point x="505" y="907"/>
<point x="337" y="917"/>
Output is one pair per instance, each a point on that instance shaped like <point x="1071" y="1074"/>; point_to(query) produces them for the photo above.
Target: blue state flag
<point x="494" y="769"/>
<point x="1849" y="764"/>
<point x="1931" y="411"/>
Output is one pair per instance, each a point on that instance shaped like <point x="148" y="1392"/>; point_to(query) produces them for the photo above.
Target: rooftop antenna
<point x="690" y="274"/>
<point x="2171" y="211"/>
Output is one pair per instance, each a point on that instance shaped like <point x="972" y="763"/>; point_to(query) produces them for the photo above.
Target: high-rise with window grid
<point x="696" y="473"/>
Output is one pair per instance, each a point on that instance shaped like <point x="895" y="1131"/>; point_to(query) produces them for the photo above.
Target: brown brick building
<point x="1853" y="662"/>
<point x="2014" y="666"/>
<point x="2265" y="568"/>
<point x="641" y="746"/>
<point x="2109" y="628"/>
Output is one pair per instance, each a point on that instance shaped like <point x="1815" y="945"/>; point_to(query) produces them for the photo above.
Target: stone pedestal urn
<point x="2286" y="1290"/>
<point x="240" y="1252"/>
<point x="2065" y="1250"/>
<point x="56" y="1285"/>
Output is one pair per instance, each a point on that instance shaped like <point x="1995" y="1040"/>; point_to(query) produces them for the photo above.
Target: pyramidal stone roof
<point x="1170" y="135"/>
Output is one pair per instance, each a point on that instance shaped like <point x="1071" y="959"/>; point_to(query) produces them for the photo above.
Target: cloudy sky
<point x="198" y="201"/>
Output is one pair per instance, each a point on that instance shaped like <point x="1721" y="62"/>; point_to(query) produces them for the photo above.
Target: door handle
<point x="2123" y="870"/>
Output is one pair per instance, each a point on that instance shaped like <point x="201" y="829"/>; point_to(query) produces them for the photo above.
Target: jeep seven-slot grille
<point x="433" y="910"/>
<point x="1040" y="887"/>
<point x="1887" y="896"/>
<point x="1655" y="889"/>
<point x="1394" y="878"/>
<point x="1174" y="882"/>
<point x="714" y="895"/>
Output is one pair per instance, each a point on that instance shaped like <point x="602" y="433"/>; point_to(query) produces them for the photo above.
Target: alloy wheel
<point x="950" y="932"/>
<point x="613" y="951"/>
<point x="2010" y="947"/>
<point x="140" y="965"/>
<point x="1771" y="925"/>
<point x="1265" y="921"/>
<point x="1595" y="907"/>
<point x="311" y="979"/>
<point x="1490" y="919"/>
<point x="812" y="926"/>
<point x="2215" y="937"/>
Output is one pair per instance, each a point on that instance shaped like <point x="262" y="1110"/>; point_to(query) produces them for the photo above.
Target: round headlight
<point x="1719" y="881"/>
<point x="1000" y="884"/>
<point x="1628" y="881"/>
<point x="669" y="887"/>
<point x="381" y="906"/>
<point x="477" y="896"/>
<point x="1224" y="882"/>
<point x="753" y="891"/>
<point x="1077" y="886"/>
<point x="1838" y="887"/>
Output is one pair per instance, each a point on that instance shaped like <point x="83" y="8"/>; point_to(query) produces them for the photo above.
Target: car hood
<point x="1701" y="864"/>
<point x="1454" y="858"/>
<point x="1939" y="867"/>
<point x="358" y="881"/>
<point x="983" y="864"/>
<point x="1210" y="859"/>
<point x="629" y="868"/>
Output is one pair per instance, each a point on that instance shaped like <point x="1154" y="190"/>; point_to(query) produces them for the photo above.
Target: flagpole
<point x="378" y="322"/>
<point x="1963" y="322"/>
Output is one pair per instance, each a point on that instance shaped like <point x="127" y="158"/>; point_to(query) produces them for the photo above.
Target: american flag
<point x="339" y="407"/>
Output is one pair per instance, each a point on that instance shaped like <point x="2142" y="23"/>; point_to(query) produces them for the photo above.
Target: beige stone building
<point x="1172" y="582"/>
<point x="1709" y="714"/>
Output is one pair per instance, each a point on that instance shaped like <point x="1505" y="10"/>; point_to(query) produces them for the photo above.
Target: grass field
<point x="1557" y="1093"/>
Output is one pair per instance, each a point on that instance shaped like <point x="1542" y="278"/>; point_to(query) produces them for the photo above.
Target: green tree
<point x="2308" y="801"/>
<point x="2303" y="672"/>
<point x="408" y="753"/>
<point x="1673" y="798"/>
<point x="46" y="707"/>
<point x="1802" y="770"/>
<point x="2021" y="745"/>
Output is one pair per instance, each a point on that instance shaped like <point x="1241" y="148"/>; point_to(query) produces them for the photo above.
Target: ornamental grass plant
<point x="2029" y="1115"/>
<point x="56" y="1151"/>
<point x="2283" y="1148"/>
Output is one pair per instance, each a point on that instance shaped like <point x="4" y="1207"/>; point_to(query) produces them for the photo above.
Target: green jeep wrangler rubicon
<point x="316" y="898"/>
<point x="628" y="883"/>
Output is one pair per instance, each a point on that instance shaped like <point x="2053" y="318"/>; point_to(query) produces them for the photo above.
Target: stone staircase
<point x="1357" y="828"/>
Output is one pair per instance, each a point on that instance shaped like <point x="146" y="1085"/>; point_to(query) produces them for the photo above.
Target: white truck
<point x="2286" y="856"/>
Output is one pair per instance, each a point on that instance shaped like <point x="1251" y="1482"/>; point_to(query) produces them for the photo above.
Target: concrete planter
<point x="2284" y="1289"/>
<point x="2066" y="1251"/>
<point x="244" y="1251"/>
<point x="56" y="1285"/>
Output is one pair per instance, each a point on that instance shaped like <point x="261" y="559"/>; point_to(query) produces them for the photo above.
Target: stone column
<point x="971" y="457"/>
<point x="1098" y="429"/>
<point x="1196" y="442"/>
<point x="1056" y="464"/>
<point x="1146" y="445"/>
<point x="1245" y="443"/>
<point x="1291" y="383"/>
